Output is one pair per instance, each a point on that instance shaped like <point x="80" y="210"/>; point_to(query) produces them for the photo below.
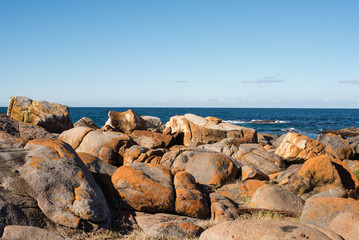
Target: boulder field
<point x="191" y="178"/>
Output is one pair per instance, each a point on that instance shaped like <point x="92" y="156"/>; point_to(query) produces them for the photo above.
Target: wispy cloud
<point x="181" y="81"/>
<point x="351" y="81"/>
<point x="265" y="80"/>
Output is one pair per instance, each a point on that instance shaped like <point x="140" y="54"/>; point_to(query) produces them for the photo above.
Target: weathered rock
<point x="29" y="233"/>
<point x="321" y="211"/>
<point x="16" y="209"/>
<point x="240" y="192"/>
<point x="145" y="187"/>
<point x="198" y="130"/>
<point x="297" y="147"/>
<point x="226" y="146"/>
<point x="346" y="225"/>
<point x="345" y="132"/>
<point x="22" y="130"/>
<point x="331" y="234"/>
<point x="51" y="172"/>
<point x="178" y="159"/>
<point x="152" y="122"/>
<point x="321" y="173"/>
<point x="96" y="165"/>
<point x="151" y="139"/>
<point x="252" y="173"/>
<point x="331" y="192"/>
<point x="86" y="122"/>
<point x="125" y="122"/>
<point x="54" y="117"/>
<point x="353" y="165"/>
<point x="133" y="154"/>
<point x="222" y="208"/>
<point x="337" y="144"/>
<point x="261" y="229"/>
<point x="212" y="168"/>
<point x="108" y="146"/>
<point x="189" y="199"/>
<point x="278" y="141"/>
<point x="8" y="141"/>
<point x="160" y="226"/>
<point x="276" y="198"/>
<point x="265" y="161"/>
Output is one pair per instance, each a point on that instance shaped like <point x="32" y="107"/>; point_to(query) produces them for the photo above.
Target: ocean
<point x="265" y="120"/>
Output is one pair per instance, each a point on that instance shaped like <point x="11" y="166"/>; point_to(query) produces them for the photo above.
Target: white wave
<point x="289" y="129"/>
<point x="256" y="121"/>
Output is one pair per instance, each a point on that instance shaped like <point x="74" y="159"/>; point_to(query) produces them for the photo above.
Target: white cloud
<point x="271" y="100"/>
<point x="326" y="100"/>
<point x="265" y="80"/>
<point x="351" y="81"/>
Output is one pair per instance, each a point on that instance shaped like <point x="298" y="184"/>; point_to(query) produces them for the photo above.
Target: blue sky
<point x="184" y="53"/>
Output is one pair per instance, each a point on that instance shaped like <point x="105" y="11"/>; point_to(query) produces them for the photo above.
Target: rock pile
<point x="164" y="180"/>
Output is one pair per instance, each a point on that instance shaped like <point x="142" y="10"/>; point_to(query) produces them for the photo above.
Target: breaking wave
<point x="256" y="121"/>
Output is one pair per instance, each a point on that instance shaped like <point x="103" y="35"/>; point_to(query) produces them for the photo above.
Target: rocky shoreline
<point x="191" y="178"/>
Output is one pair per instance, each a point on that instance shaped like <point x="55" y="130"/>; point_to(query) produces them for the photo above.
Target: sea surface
<point x="265" y="120"/>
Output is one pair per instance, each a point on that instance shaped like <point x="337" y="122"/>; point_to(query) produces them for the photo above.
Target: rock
<point x="240" y="193"/>
<point x="29" y="233"/>
<point x="252" y="173"/>
<point x="198" y="130"/>
<point x="22" y="130"/>
<point x="337" y="144"/>
<point x="133" y="154"/>
<point x="152" y="122"/>
<point x="345" y="132"/>
<point x="276" y="198"/>
<point x="51" y="172"/>
<point x="189" y="199"/>
<point x="96" y="165"/>
<point x="296" y="147"/>
<point x="8" y="141"/>
<point x="353" y="165"/>
<point x="278" y="141"/>
<point x="226" y="146"/>
<point x="125" y="122"/>
<point x="331" y="234"/>
<point x="212" y="168"/>
<point x="151" y="139"/>
<point x="16" y="209"/>
<point x="321" y="211"/>
<point x="163" y="226"/>
<point x="331" y="192"/>
<point x="54" y="117"/>
<point x="322" y="173"/>
<point x="145" y="187"/>
<point x="265" y="161"/>
<point x="108" y="146"/>
<point x="178" y="159"/>
<point x="354" y="145"/>
<point x="86" y="122"/>
<point x="222" y="208"/>
<point x="346" y="225"/>
<point x="261" y="229"/>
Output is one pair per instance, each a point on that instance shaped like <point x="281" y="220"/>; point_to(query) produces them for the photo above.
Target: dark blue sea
<point x="305" y="121"/>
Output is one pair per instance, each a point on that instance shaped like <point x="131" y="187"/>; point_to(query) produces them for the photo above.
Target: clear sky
<point x="183" y="53"/>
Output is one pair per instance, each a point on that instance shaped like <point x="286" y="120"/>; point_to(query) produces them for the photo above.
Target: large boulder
<point x="212" y="168"/>
<point x="54" y="117"/>
<point x="198" y="130"/>
<point x="125" y="122"/>
<point x="337" y="144"/>
<point x="261" y="229"/>
<point x="296" y="147"/>
<point x="21" y="130"/>
<point x="178" y="159"/>
<point x="51" y="172"/>
<point x="346" y="225"/>
<point x="322" y="173"/>
<point x="29" y="233"/>
<point x="151" y="139"/>
<point x="226" y="146"/>
<point x="86" y="122"/>
<point x="321" y="211"/>
<point x="108" y="146"/>
<point x="153" y="123"/>
<point x="190" y="201"/>
<point x="265" y="161"/>
<point x="276" y="198"/>
<point x="167" y="226"/>
<point x="8" y="141"/>
<point x="223" y="208"/>
<point x="145" y="187"/>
